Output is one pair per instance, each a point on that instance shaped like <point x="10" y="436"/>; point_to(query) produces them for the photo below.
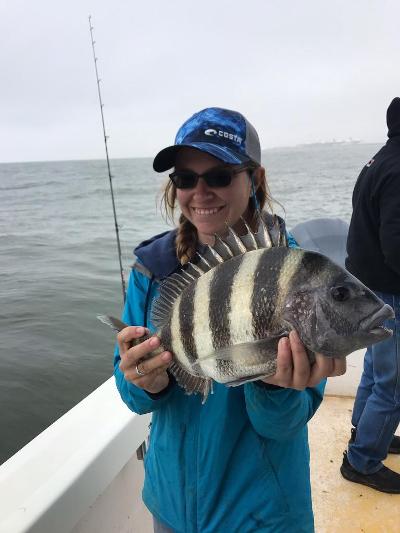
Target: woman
<point x="240" y="462"/>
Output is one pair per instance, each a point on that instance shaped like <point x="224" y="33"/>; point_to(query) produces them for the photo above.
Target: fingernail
<point x="166" y="357"/>
<point x="139" y="330"/>
<point x="283" y="342"/>
<point x="154" y="341"/>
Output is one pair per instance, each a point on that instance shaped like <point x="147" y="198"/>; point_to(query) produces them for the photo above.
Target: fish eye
<point x="340" y="294"/>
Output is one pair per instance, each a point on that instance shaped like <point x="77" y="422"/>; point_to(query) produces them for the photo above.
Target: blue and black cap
<point x="222" y="133"/>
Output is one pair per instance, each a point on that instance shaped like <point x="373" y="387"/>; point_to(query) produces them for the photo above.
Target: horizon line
<point x="299" y="145"/>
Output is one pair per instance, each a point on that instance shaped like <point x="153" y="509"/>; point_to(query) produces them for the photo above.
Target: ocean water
<point x="59" y="265"/>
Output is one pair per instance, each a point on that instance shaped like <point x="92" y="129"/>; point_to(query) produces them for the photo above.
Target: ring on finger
<point x="138" y="371"/>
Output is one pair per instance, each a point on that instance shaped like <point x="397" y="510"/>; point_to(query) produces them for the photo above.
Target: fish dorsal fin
<point x="263" y="236"/>
<point x="249" y="239"/>
<point x="280" y="233"/>
<point x="170" y="289"/>
<point x="282" y="238"/>
<point x="224" y="248"/>
<point x="214" y="255"/>
<point x="191" y="384"/>
<point x="221" y="248"/>
<point x="234" y="242"/>
<point x="205" y="262"/>
<point x="194" y="270"/>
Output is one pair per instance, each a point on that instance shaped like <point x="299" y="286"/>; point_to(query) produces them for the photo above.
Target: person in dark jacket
<point x="240" y="462"/>
<point x="373" y="249"/>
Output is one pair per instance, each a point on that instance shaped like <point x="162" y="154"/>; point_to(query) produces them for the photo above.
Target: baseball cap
<point x="222" y="133"/>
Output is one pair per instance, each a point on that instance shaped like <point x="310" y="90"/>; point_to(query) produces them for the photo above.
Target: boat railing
<point x="49" y="485"/>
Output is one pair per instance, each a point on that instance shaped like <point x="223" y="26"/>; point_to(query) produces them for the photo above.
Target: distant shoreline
<point x="318" y="144"/>
<point x="327" y="144"/>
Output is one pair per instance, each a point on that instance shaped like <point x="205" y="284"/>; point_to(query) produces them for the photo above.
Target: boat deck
<point x="81" y="475"/>
<point x="339" y="505"/>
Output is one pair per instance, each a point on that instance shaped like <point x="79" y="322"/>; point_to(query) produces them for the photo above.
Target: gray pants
<point x="160" y="528"/>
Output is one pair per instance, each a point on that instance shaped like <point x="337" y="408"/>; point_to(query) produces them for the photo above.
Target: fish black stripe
<point x="220" y="301"/>
<point x="265" y="291"/>
<point x="186" y="312"/>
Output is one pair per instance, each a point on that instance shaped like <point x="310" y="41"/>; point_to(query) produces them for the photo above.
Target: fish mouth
<point x="374" y="323"/>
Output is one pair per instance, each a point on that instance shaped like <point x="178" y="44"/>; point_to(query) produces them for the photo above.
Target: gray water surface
<point x="59" y="265"/>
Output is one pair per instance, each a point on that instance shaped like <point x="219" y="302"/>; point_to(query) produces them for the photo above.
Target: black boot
<point x="384" y="480"/>
<point x="394" y="445"/>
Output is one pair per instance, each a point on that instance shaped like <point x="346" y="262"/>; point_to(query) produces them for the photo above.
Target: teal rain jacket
<point x="237" y="464"/>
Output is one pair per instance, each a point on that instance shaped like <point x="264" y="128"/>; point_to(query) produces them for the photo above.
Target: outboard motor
<point x="327" y="236"/>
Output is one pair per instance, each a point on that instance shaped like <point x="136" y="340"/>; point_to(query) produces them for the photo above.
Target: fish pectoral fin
<point x="265" y="348"/>
<point x="190" y="382"/>
<point x="244" y="380"/>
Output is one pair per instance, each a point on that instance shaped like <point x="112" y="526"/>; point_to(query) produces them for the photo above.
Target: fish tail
<point x="117" y="325"/>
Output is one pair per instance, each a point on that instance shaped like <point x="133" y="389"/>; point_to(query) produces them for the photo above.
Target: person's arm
<point x="389" y="229"/>
<point x="281" y="405"/>
<point x="279" y="413"/>
<point x="134" y="396"/>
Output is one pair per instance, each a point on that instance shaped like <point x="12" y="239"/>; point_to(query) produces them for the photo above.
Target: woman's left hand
<point x="294" y="370"/>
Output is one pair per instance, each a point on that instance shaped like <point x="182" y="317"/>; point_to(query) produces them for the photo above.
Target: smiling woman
<point x="233" y="181"/>
<point x="250" y="440"/>
<point x="210" y="208"/>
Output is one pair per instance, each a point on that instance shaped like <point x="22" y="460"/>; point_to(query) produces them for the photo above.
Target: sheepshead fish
<point x="223" y="315"/>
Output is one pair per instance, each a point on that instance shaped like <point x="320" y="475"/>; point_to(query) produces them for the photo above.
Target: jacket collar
<point x="158" y="254"/>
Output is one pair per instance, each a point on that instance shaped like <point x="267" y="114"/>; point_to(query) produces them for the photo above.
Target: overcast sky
<point x="300" y="71"/>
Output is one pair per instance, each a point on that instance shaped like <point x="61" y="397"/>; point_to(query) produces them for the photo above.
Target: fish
<point x="223" y="314"/>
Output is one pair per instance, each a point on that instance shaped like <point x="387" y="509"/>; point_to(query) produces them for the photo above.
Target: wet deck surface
<point x="339" y="505"/>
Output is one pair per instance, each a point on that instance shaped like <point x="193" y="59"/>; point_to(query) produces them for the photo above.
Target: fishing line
<point x="108" y="161"/>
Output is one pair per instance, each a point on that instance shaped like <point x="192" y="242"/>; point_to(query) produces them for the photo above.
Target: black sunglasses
<point x="215" y="177"/>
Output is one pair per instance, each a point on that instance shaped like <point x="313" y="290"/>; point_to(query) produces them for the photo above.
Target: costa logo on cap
<point x="225" y="134"/>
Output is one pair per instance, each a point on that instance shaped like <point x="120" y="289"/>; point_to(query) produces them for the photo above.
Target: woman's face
<point x="210" y="209"/>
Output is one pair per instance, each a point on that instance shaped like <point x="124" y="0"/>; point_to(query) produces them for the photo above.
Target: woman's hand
<point x="149" y="375"/>
<point x="294" y="370"/>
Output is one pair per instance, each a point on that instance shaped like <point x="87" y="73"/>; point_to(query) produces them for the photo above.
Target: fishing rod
<point x="108" y="160"/>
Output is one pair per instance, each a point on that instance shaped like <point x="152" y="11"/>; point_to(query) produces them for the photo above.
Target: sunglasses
<point x="215" y="177"/>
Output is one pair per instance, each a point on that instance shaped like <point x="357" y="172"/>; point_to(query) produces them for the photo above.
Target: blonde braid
<point x="186" y="240"/>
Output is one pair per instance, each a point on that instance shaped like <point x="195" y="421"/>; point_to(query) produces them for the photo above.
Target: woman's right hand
<point x="149" y="374"/>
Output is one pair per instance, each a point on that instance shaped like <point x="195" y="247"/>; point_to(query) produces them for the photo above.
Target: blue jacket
<point x="237" y="464"/>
